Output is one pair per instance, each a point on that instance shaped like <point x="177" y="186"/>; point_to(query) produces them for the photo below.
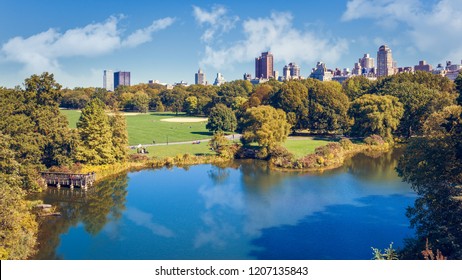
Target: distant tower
<point x="321" y="72"/>
<point x="291" y="71"/>
<point x="366" y="62"/>
<point x="121" y="78"/>
<point x="264" y="66"/>
<point x="108" y="80"/>
<point x="200" y="78"/>
<point x="384" y="62"/>
<point x="219" y="80"/>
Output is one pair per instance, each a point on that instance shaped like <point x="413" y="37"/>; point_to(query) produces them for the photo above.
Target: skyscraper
<point x="108" y="80"/>
<point x="121" y="78"/>
<point x="264" y="66"/>
<point x="219" y="80"/>
<point x="200" y="78"/>
<point x="384" y="62"/>
<point x="366" y="61"/>
<point x="291" y="71"/>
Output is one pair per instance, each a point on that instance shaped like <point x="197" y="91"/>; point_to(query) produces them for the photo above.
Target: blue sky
<point x="170" y="40"/>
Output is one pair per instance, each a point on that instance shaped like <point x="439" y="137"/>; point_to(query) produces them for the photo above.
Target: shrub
<point x="280" y="156"/>
<point x="346" y="144"/>
<point x="138" y="157"/>
<point x="374" y="140"/>
<point x="329" y="150"/>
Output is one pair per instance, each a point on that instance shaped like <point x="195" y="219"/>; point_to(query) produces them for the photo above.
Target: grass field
<point x="72" y="117"/>
<point x="303" y="146"/>
<point x="146" y="128"/>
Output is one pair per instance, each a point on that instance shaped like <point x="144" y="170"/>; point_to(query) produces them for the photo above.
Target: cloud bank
<point x="277" y="34"/>
<point x="216" y="20"/>
<point x="42" y="51"/>
<point x="426" y="27"/>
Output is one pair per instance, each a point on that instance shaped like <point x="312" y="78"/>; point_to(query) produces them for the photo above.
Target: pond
<point x="243" y="210"/>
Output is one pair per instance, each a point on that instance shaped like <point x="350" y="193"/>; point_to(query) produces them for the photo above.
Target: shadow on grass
<point x="204" y="133"/>
<point x="168" y="114"/>
<point x="315" y="136"/>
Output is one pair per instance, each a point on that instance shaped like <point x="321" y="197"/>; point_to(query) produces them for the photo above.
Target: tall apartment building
<point x="291" y="71"/>
<point x="423" y="66"/>
<point x="384" y="62"/>
<point x="321" y="72"/>
<point x="366" y="61"/>
<point x="200" y="78"/>
<point x="219" y="80"/>
<point x="121" y="78"/>
<point x="108" y="80"/>
<point x="264" y="66"/>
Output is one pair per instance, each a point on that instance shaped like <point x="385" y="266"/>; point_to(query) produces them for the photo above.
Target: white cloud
<point x="390" y="10"/>
<point x="42" y="51"/>
<point x="432" y="29"/>
<point x="144" y="35"/>
<point x="216" y="20"/>
<point x="144" y="219"/>
<point x="276" y="34"/>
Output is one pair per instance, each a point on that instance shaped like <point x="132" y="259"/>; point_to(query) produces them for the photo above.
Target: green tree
<point x="140" y="102"/>
<point x="18" y="227"/>
<point x="221" y="145"/>
<point x="375" y="114"/>
<point x="119" y="136"/>
<point x="292" y="97"/>
<point x="160" y="107"/>
<point x="435" y="124"/>
<point x="357" y="86"/>
<point x="433" y="166"/>
<point x="190" y="105"/>
<point x="419" y="102"/>
<point x="327" y="107"/>
<point x="221" y="118"/>
<point x="43" y="89"/>
<point x="228" y="92"/>
<point x="95" y="145"/>
<point x="265" y="125"/>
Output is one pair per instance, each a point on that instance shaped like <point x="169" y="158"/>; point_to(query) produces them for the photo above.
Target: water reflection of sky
<point x="213" y="213"/>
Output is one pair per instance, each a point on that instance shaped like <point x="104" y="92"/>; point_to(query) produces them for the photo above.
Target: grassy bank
<point x="329" y="156"/>
<point x="301" y="146"/>
<point x="143" y="162"/>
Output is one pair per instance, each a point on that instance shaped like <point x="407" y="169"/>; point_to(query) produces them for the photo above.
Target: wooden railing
<point x="70" y="180"/>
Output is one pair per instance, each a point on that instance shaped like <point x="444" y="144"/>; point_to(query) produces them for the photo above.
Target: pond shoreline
<point x="110" y="170"/>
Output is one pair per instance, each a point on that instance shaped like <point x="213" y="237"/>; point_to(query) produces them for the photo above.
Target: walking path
<point x="230" y="137"/>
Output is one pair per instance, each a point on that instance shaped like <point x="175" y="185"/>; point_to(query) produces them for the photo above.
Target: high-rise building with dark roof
<point x="121" y="78"/>
<point x="264" y="66"/>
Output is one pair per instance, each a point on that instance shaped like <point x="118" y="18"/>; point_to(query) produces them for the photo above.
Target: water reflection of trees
<point x="257" y="175"/>
<point x="434" y="168"/>
<point x="382" y="168"/>
<point x="103" y="203"/>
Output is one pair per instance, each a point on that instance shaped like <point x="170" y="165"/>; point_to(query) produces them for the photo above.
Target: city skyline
<point x="78" y="40"/>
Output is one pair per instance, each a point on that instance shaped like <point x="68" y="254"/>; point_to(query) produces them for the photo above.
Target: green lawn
<point x="72" y="117"/>
<point x="146" y="128"/>
<point x="173" y="150"/>
<point x="303" y="146"/>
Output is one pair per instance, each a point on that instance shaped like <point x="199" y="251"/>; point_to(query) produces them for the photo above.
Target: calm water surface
<point x="242" y="211"/>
